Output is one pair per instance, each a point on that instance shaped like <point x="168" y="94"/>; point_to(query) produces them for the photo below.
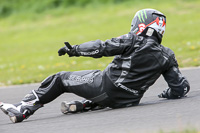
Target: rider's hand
<point x="167" y="94"/>
<point x="63" y="51"/>
<point x="70" y="52"/>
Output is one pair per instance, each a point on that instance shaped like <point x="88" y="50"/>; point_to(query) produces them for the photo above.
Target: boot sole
<point x="13" y="119"/>
<point x="68" y="108"/>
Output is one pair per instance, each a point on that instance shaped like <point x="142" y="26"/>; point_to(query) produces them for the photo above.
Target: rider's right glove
<point x="71" y="52"/>
<point x="168" y="94"/>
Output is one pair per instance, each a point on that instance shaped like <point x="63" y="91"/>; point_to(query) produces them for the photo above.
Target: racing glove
<point x="168" y="94"/>
<point x="71" y="52"/>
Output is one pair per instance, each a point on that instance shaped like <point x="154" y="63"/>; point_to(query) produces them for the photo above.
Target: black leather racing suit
<point x="138" y="63"/>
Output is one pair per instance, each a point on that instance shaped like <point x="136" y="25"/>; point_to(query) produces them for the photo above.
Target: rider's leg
<point x="50" y="88"/>
<point x="87" y="84"/>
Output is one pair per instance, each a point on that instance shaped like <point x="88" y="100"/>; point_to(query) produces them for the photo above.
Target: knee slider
<point x="49" y="79"/>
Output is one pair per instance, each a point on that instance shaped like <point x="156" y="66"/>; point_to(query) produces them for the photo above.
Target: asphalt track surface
<point x="152" y="115"/>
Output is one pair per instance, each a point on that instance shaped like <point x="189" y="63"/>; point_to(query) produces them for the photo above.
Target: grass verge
<point x="30" y="41"/>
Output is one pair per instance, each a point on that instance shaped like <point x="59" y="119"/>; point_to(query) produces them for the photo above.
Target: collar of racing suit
<point x="155" y="35"/>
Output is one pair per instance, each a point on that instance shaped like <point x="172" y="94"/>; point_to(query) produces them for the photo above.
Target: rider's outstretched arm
<point x="98" y="48"/>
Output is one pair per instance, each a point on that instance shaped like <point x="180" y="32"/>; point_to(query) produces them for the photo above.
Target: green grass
<point x="29" y="41"/>
<point x="189" y="130"/>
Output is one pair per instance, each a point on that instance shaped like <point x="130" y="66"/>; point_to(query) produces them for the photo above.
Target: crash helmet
<point x="146" y="21"/>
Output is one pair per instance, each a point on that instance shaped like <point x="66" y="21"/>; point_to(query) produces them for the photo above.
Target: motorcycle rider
<point x="139" y="61"/>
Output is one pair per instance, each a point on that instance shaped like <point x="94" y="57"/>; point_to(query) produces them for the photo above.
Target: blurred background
<point x="32" y="31"/>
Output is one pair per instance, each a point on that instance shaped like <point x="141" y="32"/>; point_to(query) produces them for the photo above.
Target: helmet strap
<point x="150" y="32"/>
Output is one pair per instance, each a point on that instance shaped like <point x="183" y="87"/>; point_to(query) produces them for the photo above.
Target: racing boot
<point x="79" y="106"/>
<point x="19" y="112"/>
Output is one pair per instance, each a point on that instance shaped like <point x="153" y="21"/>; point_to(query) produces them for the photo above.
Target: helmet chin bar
<point x="159" y="25"/>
